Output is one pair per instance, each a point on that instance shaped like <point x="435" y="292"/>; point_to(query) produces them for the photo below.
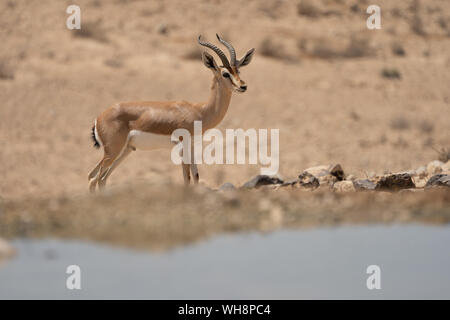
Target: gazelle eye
<point x="226" y="75"/>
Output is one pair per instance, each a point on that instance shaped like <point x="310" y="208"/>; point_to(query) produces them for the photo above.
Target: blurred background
<point x="372" y="100"/>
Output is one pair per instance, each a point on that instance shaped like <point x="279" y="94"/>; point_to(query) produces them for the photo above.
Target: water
<point x="319" y="263"/>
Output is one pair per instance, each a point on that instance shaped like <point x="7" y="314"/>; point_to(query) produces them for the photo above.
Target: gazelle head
<point x="228" y="73"/>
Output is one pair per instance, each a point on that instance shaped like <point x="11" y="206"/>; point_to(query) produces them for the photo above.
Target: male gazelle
<point x="128" y="126"/>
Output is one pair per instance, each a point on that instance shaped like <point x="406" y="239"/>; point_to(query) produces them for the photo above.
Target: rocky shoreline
<point x="435" y="174"/>
<point x="158" y="216"/>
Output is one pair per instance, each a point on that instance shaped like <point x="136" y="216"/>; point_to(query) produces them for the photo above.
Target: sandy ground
<point x="326" y="95"/>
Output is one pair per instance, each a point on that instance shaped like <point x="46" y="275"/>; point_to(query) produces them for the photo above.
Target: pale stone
<point x="344" y="186"/>
<point x="326" y="170"/>
<point x="364" y="185"/>
<point x="421" y="172"/>
<point x="446" y="166"/>
<point x="434" y="167"/>
<point x="227" y="186"/>
<point x="318" y="171"/>
<point x="419" y="182"/>
<point x="327" y="174"/>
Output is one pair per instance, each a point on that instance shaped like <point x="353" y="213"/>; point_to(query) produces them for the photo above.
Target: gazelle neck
<point x="216" y="107"/>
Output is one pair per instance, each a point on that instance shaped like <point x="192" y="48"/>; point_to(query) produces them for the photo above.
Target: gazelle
<point x="128" y="126"/>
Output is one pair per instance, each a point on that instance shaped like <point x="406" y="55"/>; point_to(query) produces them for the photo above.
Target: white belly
<point x="148" y="141"/>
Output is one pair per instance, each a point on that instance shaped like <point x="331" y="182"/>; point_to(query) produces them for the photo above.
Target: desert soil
<point x="316" y="75"/>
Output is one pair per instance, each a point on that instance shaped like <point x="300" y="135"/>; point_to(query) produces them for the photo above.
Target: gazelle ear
<point x="245" y="60"/>
<point x="208" y="61"/>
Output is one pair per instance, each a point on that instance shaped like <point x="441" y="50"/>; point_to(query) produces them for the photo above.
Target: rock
<point x="334" y="170"/>
<point x="445" y="181"/>
<point x="421" y="172"/>
<point x="419" y="182"/>
<point x="395" y="182"/>
<point x="446" y="166"/>
<point x="261" y="180"/>
<point x="327" y="180"/>
<point x="162" y="28"/>
<point x="327" y="174"/>
<point x="344" y="186"/>
<point x="337" y="171"/>
<point x="350" y="177"/>
<point x="290" y="183"/>
<point x="6" y="250"/>
<point x="364" y="185"/>
<point x="434" y="167"/>
<point x="318" y="171"/>
<point x="438" y="180"/>
<point x="307" y="180"/>
<point x="412" y="173"/>
<point x="227" y="186"/>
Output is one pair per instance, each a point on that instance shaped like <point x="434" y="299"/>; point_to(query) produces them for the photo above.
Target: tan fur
<point x="160" y="117"/>
<point x="115" y="123"/>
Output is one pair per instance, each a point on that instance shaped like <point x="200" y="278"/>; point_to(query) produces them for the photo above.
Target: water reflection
<point x="319" y="263"/>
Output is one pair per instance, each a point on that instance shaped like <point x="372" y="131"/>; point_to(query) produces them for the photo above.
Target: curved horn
<point x="230" y="49"/>
<point x="219" y="52"/>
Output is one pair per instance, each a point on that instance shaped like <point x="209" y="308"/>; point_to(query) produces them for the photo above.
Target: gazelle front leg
<point x="185" y="167"/>
<point x="194" y="169"/>
<point x="102" y="179"/>
<point x="186" y="174"/>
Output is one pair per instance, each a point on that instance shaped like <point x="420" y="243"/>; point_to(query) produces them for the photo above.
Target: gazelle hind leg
<point x="104" y="176"/>
<point x="113" y="147"/>
<point x="93" y="176"/>
<point x="94" y="171"/>
<point x="93" y="183"/>
<point x="105" y="164"/>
